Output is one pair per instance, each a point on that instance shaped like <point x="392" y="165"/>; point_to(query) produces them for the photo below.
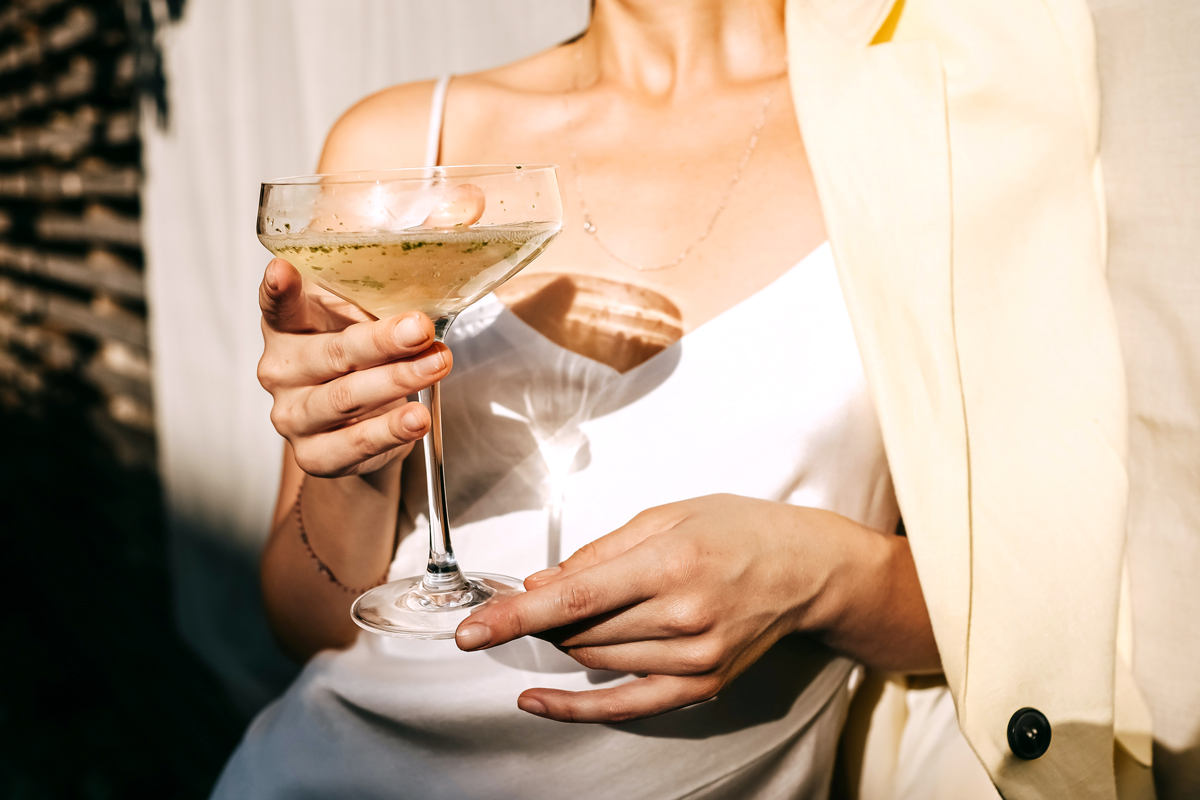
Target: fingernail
<point x="409" y="332"/>
<point x="272" y="279"/>
<point x="531" y="706"/>
<point x="413" y="421"/>
<point x="431" y="363"/>
<point x="473" y="636"/>
<point x="544" y="574"/>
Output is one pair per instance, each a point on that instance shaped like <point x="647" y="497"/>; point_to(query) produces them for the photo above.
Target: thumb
<point x="281" y="298"/>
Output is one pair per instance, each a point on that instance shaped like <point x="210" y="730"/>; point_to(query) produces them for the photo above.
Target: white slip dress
<point x="547" y="450"/>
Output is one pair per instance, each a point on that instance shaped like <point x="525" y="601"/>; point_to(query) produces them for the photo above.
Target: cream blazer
<point x="954" y="147"/>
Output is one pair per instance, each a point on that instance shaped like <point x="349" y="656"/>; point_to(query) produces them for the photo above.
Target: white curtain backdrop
<point x="253" y="87"/>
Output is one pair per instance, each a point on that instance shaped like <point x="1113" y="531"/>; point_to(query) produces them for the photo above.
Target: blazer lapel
<point x="874" y="122"/>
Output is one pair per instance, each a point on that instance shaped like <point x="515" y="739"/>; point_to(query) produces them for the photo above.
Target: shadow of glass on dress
<point x="529" y="376"/>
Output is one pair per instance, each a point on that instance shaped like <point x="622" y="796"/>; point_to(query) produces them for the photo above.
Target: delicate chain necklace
<point x="589" y="225"/>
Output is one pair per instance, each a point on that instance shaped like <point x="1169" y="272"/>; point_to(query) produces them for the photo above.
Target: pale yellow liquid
<point x="438" y="272"/>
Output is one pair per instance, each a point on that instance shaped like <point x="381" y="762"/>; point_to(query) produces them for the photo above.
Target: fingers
<point x="342" y="452"/>
<point x="343" y="399"/>
<point x="316" y="358"/>
<point x="605" y="587"/>
<point x="644" y="697"/>
<point x="334" y="390"/>
<point x="696" y="655"/>
<point x="319" y="358"/>
<point x="659" y="618"/>
<point x="609" y="546"/>
<point x="281" y="298"/>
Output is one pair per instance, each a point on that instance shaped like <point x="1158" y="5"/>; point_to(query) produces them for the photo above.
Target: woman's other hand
<point x="691" y="594"/>
<point x="340" y="379"/>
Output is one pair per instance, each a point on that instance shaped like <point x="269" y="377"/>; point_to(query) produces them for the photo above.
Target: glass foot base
<point x="404" y="609"/>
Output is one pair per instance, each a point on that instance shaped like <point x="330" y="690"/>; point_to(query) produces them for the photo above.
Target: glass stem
<point x="554" y="530"/>
<point x="442" y="573"/>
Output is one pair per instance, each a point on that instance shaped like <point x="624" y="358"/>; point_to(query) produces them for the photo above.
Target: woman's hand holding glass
<point x="692" y="593"/>
<point x="340" y="379"/>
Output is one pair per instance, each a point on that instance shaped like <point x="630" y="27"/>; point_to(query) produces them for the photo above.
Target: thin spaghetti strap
<point x="437" y="113"/>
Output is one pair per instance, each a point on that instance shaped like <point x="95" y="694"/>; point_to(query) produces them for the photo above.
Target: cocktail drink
<point x="438" y="272"/>
<point x="433" y="240"/>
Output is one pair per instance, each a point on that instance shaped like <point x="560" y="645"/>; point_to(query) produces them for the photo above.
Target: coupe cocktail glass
<point x="433" y="240"/>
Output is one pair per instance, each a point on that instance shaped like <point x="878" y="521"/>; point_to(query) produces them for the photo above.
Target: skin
<point x="689" y="594"/>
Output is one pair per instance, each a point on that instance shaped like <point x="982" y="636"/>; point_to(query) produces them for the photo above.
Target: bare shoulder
<point x="484" y="108"/>
<point x="544" y="72"/>
<point x="385" y="130"/>
<point x="388" y="129"/>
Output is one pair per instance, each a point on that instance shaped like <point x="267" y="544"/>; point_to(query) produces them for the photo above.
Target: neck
<point x="670" y="48"/>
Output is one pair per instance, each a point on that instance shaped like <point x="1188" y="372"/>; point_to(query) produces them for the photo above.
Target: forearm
<point x="871" y="606"/>
<point x="350" y="524"/>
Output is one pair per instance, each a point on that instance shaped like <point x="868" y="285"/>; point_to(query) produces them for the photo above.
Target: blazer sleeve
<point x="955" y="154"/>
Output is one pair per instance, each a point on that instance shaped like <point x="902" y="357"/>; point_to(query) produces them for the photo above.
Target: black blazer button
<point x="1029" y="734"/>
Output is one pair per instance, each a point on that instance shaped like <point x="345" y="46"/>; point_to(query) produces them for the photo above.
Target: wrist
<point x="866" y="599"/>
<point x="350" y="522"/>
<point x="828" y="586"/>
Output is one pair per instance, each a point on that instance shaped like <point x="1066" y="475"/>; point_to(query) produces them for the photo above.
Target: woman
<point x="682" y="153"/>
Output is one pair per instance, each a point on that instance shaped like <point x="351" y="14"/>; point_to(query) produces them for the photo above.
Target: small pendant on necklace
<point x="588" y="226"/>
